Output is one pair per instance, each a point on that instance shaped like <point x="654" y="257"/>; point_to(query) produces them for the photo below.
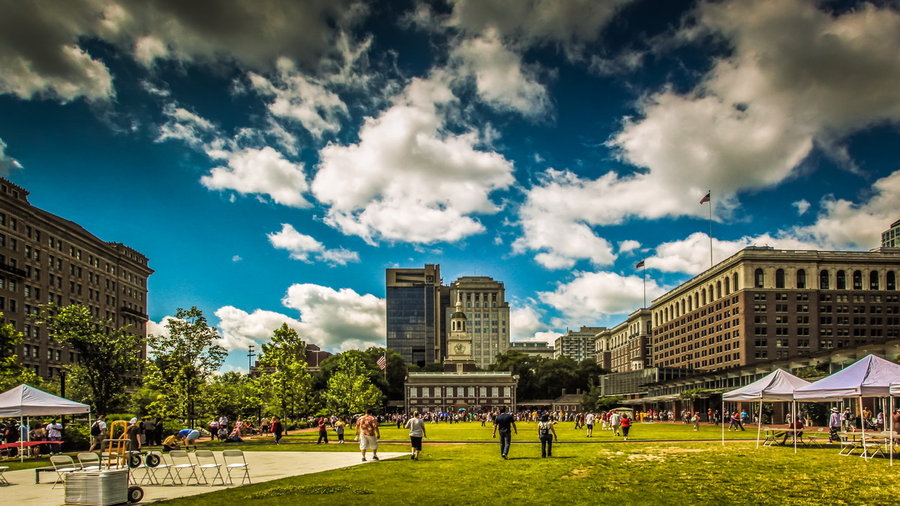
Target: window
<point x="801" y="278"/>
<point x="873" y="280"/>
<point x="891" y="283"/>
<point x="841" y="280"/>
<point x="759" y="278"/>
<point x="779" y="278"/>
<point x="857" y="280"/>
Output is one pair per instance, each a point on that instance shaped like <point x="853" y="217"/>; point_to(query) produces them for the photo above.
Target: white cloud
<point x="499" y="75"/>
<point x="756" y="116"/>
<point x="594" y="294"/>
<point x="802" y="206"/>
<point x="628" y="245"/>
<point x="306" y="248"/>
<point x="338" y="319"/>
<point x="300" y="98"/>
<point x="260" y="171"/>
<point x="186" y="126"/>
<point x="159" y="329"/>
<point x="524" y="323"/>
<point x="691" y="255"/>
<point x="408" y="179"/>
<point x="239" y="329"/>
<point x="7" y="163"/>
<point x="236" y="258"/>
<point x="548" y="337"/>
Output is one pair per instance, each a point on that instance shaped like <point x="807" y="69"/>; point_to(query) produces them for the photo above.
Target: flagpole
<point x="644" y="276"/>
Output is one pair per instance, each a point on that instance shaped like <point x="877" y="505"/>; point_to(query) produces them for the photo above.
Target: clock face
<point x="460" y="348"/>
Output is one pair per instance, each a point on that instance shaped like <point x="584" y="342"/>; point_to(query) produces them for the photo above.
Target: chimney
<point x="577" y="391"/>
<point x="563" y="391"/>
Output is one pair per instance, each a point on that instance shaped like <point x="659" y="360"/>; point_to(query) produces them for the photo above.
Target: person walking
<point x="834" y="425"/>
<point x="322" y="423"/>
<point x="98" y="433"/>
<point x="416" y="432"/>
<point x="546" y="434"/>
<point x="277" y="428"/>
<point x="504" y="422"/>
<point x="625" y="422"/>
<point x="54" y="433"/>
<point x="615" y="421"/>
<point x="736" y="421"/>
<point x="339" y="426"/>
<point x="589" y="424"/>
<point x="368" y="433"/>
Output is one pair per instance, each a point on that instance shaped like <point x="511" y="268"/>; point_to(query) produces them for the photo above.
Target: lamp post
<point x="250" y="356"/>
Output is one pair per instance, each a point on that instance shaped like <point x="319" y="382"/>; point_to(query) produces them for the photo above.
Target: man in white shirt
<point x="98" y="433"/>
<point x="54" y="433"/>
<point x="589" y="424"/>
<point x="615" y="420"/>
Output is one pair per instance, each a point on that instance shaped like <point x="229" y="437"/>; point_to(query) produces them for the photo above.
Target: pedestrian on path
<point x="322" y="424"/>
<point x="589" y="424"/>
<point x="504" y="422"/>
<point x="615" y="421"/>
<point x="277" y="428"/>
<point x="546" y="434"/>
<point x="368" y="433"/>
<point x="339" y="426"/>
<point x="416" y="432"/>
<point x="626" y="425"/>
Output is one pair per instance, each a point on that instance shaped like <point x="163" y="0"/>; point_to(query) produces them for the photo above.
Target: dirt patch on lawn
<point x="577" y="474"/>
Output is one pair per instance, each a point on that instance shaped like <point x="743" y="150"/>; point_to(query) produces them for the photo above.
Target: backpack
<point x="95" y="429"/>
<point x="545" y="429"/>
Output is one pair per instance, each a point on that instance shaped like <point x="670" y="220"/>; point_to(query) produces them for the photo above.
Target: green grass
<point x="657" y="473"/>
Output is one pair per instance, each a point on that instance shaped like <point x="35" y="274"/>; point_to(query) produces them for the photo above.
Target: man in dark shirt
<point x="504" y="421"/>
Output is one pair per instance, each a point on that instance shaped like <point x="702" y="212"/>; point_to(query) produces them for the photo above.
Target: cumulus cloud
<point x="594" y="294"/>
<point x="260" y="171"/>
<point x="300" y="98"/>
<point x="306" y="248"/>
<point x="628" y="245"/>
<point x="7" y="163"/>
<point x="185" y="126"/>
<point x="239" y="329"/>
<point x="802" y="206"/>
<point x="524" y="323"/>
<point x="500" y="78"/>
<point x="338" y="319"/>
<point x="408" y="179"/>
<point x="547" y="337"/>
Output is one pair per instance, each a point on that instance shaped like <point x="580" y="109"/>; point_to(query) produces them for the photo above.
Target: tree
<point x="232" y="394"/>
<point x="183" y="358"/>
<point x="12" y="372"/>
<point x="350" y="389"/>
<point x="107" y="358"/>
<point x="284" y="382"/>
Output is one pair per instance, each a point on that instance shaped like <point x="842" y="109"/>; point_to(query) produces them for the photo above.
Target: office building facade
<point x="890" y="238"/>
<point x="577" y="345"/>
<point x="533" y="348"/>
<point x="625" y="347"/>
<point x="487" y="312"/>
<point x="45" y="258"/>
<point x="414" y="313"/>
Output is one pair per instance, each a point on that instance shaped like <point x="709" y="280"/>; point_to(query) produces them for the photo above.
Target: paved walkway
<point x="264" y="466"/>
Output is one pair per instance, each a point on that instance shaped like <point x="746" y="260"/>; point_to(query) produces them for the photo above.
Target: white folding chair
<point x="3" y="480"/>
<point x="89" y="461"/>
<point x="206" y="460"/>
<point x="63" y="465"/>
<point x="847" y="445"/>
<point x="235" y="461"/>
<point x="872" y="448"/>
<point x="181" y="461"/>
<point x="150" y="478"/>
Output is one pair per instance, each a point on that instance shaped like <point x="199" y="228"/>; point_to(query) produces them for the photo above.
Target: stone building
<point x="45" y="258"/>
<point x="577" y="344"/>
<point x="533" y="348"/>
<point x="485" y="306"/>
<point x="414" y="314"/>
<point x="625" y="347"/>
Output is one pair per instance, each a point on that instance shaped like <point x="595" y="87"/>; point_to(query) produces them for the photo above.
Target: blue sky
<point x="272" y="158"/>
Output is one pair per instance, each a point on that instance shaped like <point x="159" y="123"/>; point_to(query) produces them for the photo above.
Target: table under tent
<point x="870" y="376"/>
<point x="26" y="401"/>
<point x="778" y="386"/>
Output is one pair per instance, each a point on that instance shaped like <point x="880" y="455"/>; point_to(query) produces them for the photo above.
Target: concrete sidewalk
<point x="264" y="466"/>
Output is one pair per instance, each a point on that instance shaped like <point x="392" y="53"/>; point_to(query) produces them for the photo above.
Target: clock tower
<point x="459" y="344"/>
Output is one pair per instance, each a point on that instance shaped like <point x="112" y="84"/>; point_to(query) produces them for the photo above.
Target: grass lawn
<point x="685" y="472"/>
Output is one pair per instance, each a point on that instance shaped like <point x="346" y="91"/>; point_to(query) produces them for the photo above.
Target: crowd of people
<point x="47" y="430"/>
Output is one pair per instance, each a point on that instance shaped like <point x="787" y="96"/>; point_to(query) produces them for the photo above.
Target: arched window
<point x="690" y="303"/>
<point x="801" y="278"/>
<point x="727" y="287"/>
<point x="841" y="280"/>
<point x="857" y="280"/>
<point x="873" y="280"/>
<point x="779" y="278"/>
<point x="682" y="307"/>
<point x="891" y="281"/>
<point x="759" y="279"/>
<point x="823" y="280"/>
<point x="718" y="289"/>
<point x="736" y="285"/>
<point x="696" y="300"/>
<point x="703" y="296"/>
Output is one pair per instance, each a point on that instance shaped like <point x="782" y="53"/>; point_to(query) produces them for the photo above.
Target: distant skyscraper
<point x="577" y="345"/>
<point x="484" y="303"/>
<point x="414" y="323"/>
<point x="890" y="238"/>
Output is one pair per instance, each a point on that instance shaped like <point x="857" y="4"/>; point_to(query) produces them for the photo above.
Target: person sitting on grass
<point x="235" y="436"/>
<point x="172" y="442"/>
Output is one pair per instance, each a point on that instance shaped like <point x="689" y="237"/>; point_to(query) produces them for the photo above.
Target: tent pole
<point x="722" y="414"/>
<point x="759" y="424"/>
<point x="891" y="431"/>
<point x="862" y="422"/>
<point x="794" y="422"/>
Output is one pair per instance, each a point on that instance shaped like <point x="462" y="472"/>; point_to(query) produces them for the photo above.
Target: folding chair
<point x="150" y="477"/>
<point x="63" y="465"/>
<point x="89" y="461"/>
<point x="872" y="449"/>
<point x="3" y="480"/>
<point x="180" y="461"/>
<point x="236" y="465"/>
<point x="817" y="438"/>
<point x="847" y="445"/>
<point x="207" y="460"/>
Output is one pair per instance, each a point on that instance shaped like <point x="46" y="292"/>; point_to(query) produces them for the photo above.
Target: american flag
<point x="382" y="362"/>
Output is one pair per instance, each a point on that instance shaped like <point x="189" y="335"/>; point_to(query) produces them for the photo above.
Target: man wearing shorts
<point x="589" y="424"/>
<point x="368" y="434"/>
<point x="416" y="432"/>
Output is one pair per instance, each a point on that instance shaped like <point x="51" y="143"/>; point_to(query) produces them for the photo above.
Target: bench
<point x="39" y="470"/>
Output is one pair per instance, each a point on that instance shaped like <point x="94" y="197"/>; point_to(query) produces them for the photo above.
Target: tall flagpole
<point x="707" y="199"/>
<point x="644" y="276"/>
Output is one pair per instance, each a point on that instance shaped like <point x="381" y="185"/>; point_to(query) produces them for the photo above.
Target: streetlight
<point x="250" y="356"/>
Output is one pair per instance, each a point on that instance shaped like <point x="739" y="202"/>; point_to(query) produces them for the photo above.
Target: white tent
<point x="777" y="386"/>
<point x="871" y="376"/>
<point x="894" y="390"/>
<point x="25" y="400"/>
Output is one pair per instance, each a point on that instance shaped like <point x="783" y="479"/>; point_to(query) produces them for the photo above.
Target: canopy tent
<point x="894" y="389"/>
<point x="871" y="376"/>
<point x="25" y="400"/>
<point x="775" y="387"/>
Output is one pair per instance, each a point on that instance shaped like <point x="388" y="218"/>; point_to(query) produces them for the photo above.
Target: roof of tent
<point x="895" y="388"/>
<point x="777" y="386"/>
<point x="25" y="400"/>
<point x="870" y="376"/>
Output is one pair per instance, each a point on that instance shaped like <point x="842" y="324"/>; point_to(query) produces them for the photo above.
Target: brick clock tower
<point x="459" y="344"/>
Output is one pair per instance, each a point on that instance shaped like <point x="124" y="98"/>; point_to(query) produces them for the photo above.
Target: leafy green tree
<point x="284" y="382"/>
<point x="525" y="366"/>
<point x="12" y="372"/>
<point x="232" y="394"/>
<point x="107" y="360"/>
<point x="183" y="359"/>
<point x="350" y="389"/>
